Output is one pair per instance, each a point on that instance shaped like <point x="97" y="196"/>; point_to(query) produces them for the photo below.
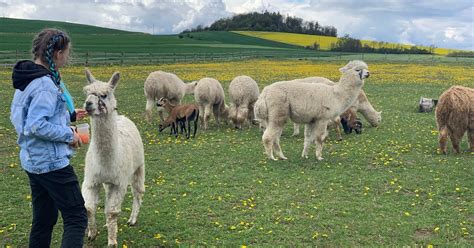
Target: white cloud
<point x="440" y="22"/>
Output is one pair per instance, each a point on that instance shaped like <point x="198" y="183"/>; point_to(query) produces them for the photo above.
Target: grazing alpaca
<point x="308" y="103"/>
<point x="179" y="115"/>
<point x="164" y="84"/>
<point x="455" y="115"/>
<point x="115" y="158"/>
<point x="243" y="92"/>
<point x="209" y="95"/>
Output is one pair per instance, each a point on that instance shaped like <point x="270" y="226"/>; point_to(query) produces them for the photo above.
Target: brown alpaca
<point x="350" y="122"/>
<point x="455" y="115"/>
<point x="179" y="116"/>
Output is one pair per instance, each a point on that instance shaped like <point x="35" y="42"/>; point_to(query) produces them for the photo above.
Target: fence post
<point x="87" y="58"/>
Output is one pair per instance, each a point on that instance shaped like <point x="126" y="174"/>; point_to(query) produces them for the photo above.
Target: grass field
<point x="325" y="42"/>
<point x="385" y="187"/>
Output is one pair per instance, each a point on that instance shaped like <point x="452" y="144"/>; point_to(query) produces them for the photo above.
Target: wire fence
<point x="9" y="58"/>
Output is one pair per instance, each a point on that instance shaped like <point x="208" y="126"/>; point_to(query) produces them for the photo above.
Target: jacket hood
<point x="26" y="71"/>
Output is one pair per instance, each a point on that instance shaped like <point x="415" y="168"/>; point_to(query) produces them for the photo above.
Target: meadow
<point x="388" y="186"/>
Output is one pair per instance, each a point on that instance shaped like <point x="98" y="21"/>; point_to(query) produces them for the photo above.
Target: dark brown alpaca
<point x="179" y="116"/>
<point x="455" y="116"/>
<point x="350" y="122"/>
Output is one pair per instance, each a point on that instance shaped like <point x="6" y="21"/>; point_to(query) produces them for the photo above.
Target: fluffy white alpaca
<point x="243" y="93"/>
<point x="115" y="157"/>
<point x="361" y="105"/>
<point x="164" y="84"/>
<point x="308" y="103"/>
<point x="209" y="95"/>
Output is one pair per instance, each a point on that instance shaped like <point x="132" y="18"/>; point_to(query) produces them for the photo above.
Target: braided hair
<point x="45" y="44"/>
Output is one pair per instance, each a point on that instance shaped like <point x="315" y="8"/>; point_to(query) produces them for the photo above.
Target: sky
<point x="443" y="23"/>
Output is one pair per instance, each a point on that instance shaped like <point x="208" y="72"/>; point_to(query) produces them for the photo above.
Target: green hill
<point x="17" y="34"/>
<point x="10" y="25"/>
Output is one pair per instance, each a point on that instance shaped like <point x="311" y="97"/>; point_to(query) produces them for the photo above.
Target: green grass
<point x="385" y="187"/>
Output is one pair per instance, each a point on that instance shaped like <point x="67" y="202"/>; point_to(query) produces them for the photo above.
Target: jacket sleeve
<point x="41" y="109"/>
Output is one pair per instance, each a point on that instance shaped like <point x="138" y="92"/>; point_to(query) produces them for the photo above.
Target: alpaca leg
<point x="443" y="139"/>
<point x="296" y="129"/>
<point x="217" y="114"/>
<point x="113" y="202"/>
<point x="320" y="132"/>
<point x="160" y="113"/>
<point x="207" y="114"/>
<point x="337" y="126"/>
<point x="90" y="193"/>
<point x="455" y="140"/>
<point x="470" y="137"/>
<point x="276" y="146"/>
<point x="138" y="189"/>
<point x="308" y="139"/>
<point x="149" y="109"/>
<point x="195" y="126"/>
<point x="268" y="138"/>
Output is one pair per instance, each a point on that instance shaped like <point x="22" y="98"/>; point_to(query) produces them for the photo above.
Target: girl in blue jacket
<point x="39" y="112"/>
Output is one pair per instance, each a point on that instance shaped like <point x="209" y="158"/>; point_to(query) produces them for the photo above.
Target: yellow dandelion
<point x="157" y="236"/>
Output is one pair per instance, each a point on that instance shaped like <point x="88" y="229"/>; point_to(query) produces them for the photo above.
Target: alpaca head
<point x="356" y="68"/>
<point x="100" y="99"/>
<point x="162" y="102"/>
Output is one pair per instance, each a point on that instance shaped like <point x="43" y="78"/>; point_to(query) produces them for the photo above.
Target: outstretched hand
<point x="80" y="114"/>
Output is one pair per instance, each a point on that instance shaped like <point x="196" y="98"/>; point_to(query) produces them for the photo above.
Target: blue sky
<point x="446" y="24"/>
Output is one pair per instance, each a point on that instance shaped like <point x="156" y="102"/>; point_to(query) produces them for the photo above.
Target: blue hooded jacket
<point x="41" y="120"/>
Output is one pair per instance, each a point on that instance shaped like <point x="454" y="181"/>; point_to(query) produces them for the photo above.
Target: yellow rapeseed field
<point x="324" y="41"/>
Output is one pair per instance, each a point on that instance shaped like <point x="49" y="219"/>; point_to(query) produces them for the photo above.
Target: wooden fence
<point x="8" y="58"/>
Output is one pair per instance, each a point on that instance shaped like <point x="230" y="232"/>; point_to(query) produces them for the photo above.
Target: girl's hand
<point x="77" y="139"/>
<point x="80" y="114"/>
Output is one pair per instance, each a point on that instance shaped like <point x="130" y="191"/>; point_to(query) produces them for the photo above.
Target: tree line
<point x="267" y="21"/>
<point x="349" y="44"/>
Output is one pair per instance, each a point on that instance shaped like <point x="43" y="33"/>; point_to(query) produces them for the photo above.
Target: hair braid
<point x="49" y="53"/>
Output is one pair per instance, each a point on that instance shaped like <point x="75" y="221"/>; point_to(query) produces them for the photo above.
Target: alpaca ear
<point x="89" y="77"/>
<point x="114" y="79"/>
<point x="344" y="69"/>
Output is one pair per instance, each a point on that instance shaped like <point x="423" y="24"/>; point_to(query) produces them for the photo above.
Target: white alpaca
<point x="309" y="103"/>
<point x="209" y="96"/>
<point x="361" y="105"/>
<point x="160" y="84"/>
<point x="115" y="157"/>
<point x="243" y="93"/>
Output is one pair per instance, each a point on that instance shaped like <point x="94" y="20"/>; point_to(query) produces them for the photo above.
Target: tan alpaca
<point x="179" y="115"/>
<point x="209" y="95"/>
<point x="455" y="115"/>
<point x="243" y="93"/>
<point x="313" y="104"/>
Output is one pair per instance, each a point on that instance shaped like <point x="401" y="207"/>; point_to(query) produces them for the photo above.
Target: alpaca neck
<point x="104" y="134"/>
<point x="189" y="88"/>
<point x="346" y="91"/>
<point x="368" y="111"/>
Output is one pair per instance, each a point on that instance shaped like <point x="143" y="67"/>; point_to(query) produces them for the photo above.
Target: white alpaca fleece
<point x="243" y="93"/>
<point x="209" y="95"/>
<point x="314" y="104"/>
<point x="115" y="158"/>
<point x="164" y="84"/>
<point x="361" y="104"/>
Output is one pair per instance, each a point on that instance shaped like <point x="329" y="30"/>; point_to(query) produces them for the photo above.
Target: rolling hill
<point x="324" y="41"/>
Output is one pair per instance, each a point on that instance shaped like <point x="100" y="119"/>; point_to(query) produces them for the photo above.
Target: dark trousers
<point x="53" y="191"/>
